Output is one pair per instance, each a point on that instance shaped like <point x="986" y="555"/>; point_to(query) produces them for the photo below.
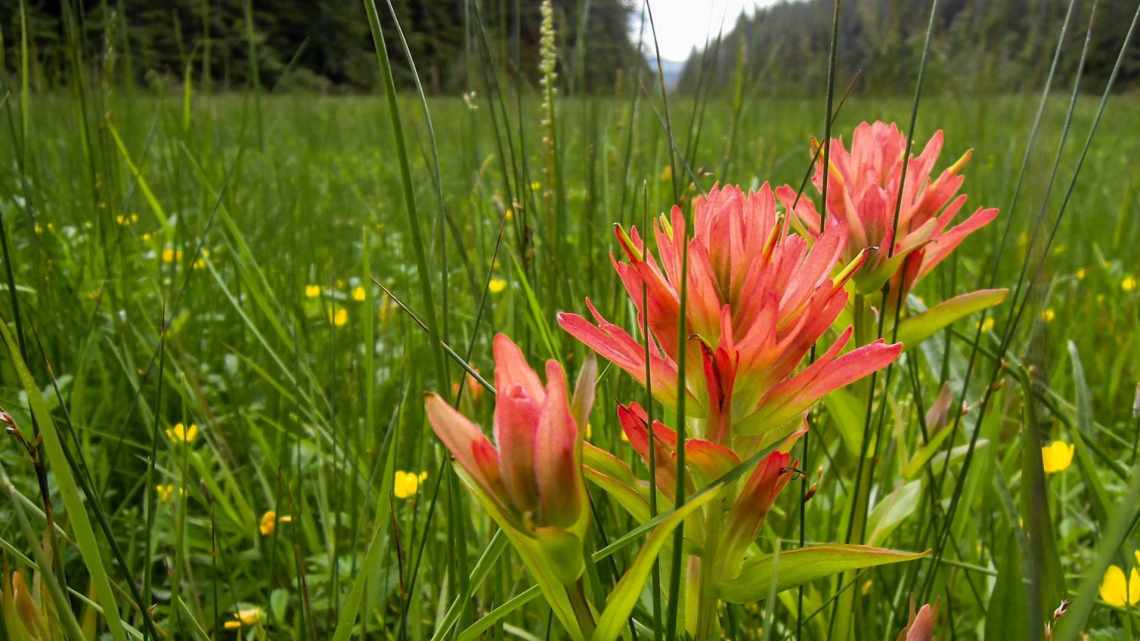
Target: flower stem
<point x="582" y="609"/>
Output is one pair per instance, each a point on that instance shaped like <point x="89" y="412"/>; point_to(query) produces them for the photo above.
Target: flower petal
<point x="556" y="455"/>
<point x="511" y="368"/>
<point x="466" y="442"/>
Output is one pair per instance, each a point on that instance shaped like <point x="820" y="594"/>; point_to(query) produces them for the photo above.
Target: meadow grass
<point x="214" y="260"/>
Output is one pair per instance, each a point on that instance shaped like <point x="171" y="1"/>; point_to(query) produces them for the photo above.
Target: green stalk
<point x="577" y="595"/>
<point x="409" y="191"/>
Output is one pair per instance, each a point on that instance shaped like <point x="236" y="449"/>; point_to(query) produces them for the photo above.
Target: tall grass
<point x="161" y="255"/>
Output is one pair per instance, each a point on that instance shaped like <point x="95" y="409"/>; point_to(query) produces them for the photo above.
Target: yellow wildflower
<point x="312" y="291"/>
<point x="338" y="316"/>
<point x="359" y="294"/>
<point x="146" y="236"/>
<point x="245" y="617"/>
<point x="1128" y="284"/>
<point x="182" y="434"/>
<point x="165" y="492"/>
<point x="407" y="483"/>
<point x="269" y="522"/>
<point x="496" y="285"/>
<point x="1081" y="273"/>
<point x="1048" y="315"/>
<point x="1118" y="593"/>
<point x="170" y="255"/>
<point x="535" y="185"/>
<point x="509" y="214"/>
<point x="1057" y="456"/>
<point x="988" y="325"/>
<point x="200" y="261"/>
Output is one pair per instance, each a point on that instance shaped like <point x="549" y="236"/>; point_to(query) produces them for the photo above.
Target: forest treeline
<point x="976" y="46"/>
<point x="318" y="45"/>
<point x="325" y="45"/>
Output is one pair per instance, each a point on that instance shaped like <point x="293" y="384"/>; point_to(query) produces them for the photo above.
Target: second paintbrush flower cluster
<point x="730" y="310"/>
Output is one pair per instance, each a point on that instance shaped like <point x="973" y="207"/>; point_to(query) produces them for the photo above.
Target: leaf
<point x="790" y="568"/>
<point x="69" y="491"/>
<point x="628" y="496"/>
<point x="476" y="629"/>
<point x="482" y="567"/>
<point x="1008" y="604"/>
<point x="1084" y="396"/>
<point x="957" y="453"/>
<point x="612" y="475"/>
<point x="1085" y="462"/>
<point x="849" y="412"/>
<point x="918" y="328"/>
<point x="918" y="462"/>
<point x="537" y="316"/>
<point x="890" y="512"/>
<point x="625" y="594"/>
<point x="583" y="400"/>
<point x="533" y="556"/>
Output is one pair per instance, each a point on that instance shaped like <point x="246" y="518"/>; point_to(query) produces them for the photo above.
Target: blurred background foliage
<point x="324" y="45"/>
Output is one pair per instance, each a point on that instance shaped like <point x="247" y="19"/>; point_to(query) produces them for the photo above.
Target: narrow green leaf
<point x="69" y="491"/>
<point x="624" y="595"/>
<point x="482" y="567"/>
<point x="1008" y="602"/>
<point x="476" y="630"/>
<point x="794" y="567"/>
<point x="1085" y="461"/>
<point x="918" y="328"/>
<point x="151" y="200"/>
<point x="918" y="462"/>
<point x="537" y="316"/>
<point x="890" y="512"/>
<point x="624" y="493"/>
<point x="848" y="411"/>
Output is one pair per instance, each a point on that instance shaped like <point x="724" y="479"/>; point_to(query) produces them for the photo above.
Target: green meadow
<point x="221" y="314"/>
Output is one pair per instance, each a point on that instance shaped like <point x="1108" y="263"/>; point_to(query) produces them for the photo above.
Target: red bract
<point x="758" y="299"/>
<point x="862" y="193"/>
<point x="534" y="475"/>
<point x="706" y="462"/>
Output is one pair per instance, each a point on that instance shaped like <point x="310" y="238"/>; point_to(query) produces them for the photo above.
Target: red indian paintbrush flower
<point x="758" y="299"/>
<point x="533" y="478"/>
<point x="862" y="192"/>
<point x="708" y="461"/>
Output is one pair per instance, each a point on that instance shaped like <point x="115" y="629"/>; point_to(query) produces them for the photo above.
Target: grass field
<point x="255" y="231"/>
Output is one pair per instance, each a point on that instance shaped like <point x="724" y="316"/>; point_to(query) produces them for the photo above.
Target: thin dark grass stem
<point x="828" y="120"/>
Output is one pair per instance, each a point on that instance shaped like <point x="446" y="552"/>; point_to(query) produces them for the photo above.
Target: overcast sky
<point x="684" y="24"/>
